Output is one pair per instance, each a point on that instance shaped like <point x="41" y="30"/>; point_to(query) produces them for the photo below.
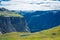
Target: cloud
<point x="26" y="5"/>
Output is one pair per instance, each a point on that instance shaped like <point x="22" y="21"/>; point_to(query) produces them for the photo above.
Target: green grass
<point x="50" y="34"/>
<point x="9" y="14"/>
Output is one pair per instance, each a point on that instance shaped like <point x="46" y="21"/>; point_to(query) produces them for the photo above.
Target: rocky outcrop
<point x="12" y="22"/>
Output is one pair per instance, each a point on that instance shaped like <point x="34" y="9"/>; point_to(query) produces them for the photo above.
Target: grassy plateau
<point x="50" y="34"/>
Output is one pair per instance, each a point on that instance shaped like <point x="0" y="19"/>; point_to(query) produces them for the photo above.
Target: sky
<point x="31" y="5"/>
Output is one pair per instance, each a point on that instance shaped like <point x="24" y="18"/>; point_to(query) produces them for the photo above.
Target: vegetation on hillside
<point x="50" y="34"/>
<point x="9" y="14"/>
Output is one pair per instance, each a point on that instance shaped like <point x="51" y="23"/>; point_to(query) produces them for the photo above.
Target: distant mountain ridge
<point x="41" y="20"/>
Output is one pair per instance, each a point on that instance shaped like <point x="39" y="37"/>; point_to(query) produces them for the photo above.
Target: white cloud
<point x="25" y="5"/>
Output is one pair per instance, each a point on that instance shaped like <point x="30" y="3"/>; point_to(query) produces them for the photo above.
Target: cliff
<point x="12" y="22"/>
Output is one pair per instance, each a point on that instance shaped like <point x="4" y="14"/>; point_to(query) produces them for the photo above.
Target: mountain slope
<point x="41" y="20"/>
<point x="50" y="34"/>
<point x="11" y="22"/>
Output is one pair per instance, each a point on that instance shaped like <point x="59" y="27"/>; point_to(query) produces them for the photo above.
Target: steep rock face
<point x="12" y="22"/>
<point x="5" y="25"/>
<point x="19" y="24"/>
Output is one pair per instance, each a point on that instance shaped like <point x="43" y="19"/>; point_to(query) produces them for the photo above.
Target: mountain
<point x="12" y="22"/>
<point x="41" y="20"/>
<point x="50" y="34"/>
